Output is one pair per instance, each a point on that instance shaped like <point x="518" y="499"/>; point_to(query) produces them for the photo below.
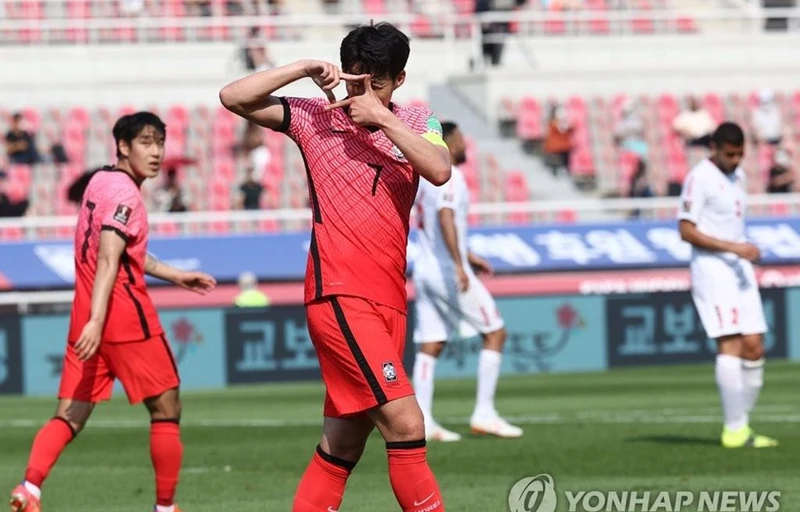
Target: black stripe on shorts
<point x="374" y="385"/>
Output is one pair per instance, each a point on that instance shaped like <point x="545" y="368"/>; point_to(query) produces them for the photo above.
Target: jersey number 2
<point x="378" y="169"/>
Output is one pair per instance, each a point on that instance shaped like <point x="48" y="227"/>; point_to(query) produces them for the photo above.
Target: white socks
<point x="730" y="381"/>
<point x="753" y="375"/>
<point x="170" y="508"/>
<point x="424" y="368"/>
<point x="33" y="489"/>
<point x="488" y="373"/>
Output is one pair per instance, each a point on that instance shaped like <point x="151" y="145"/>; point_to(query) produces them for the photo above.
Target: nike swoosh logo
<point x="418" y="503"/>
<point x="331" y="509"/>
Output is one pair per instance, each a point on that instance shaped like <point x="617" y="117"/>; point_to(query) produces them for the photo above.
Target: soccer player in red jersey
<point x="114" y="328"/>
<point x="364" y="156"/>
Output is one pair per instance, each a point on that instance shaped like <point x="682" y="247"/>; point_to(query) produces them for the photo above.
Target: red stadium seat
<point x="529" y="124"/>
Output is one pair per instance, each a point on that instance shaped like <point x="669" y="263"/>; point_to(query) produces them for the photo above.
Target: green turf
<point x="643" y="429"/>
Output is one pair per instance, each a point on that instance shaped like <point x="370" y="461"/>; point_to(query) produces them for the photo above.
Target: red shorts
<point x="360" y="347"/>
<point x="145" y="369"/>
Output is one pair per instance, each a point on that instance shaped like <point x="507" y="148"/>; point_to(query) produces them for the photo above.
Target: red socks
<point x="322" y="486"/>
<point x="412" y="480"/>
<point x="166" y="452"/>
<point x="48" y="444"/>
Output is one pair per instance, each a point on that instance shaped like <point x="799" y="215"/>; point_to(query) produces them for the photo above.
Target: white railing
<point x="449" y="26"/>
<point x="287" y="220"/>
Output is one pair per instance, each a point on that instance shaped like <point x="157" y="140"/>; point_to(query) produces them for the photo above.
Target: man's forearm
<point x="451" y="240"/>
<point x="105" y="276"/>
<point x="693" y="236"/>
<point x="252" y="92"/>
<point x="160" y="270"/>
<point x="428" y="160"/>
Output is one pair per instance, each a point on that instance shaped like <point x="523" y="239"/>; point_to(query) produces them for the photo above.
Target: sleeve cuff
<point x="287" y="116"/>
<point x="116" y="230"/>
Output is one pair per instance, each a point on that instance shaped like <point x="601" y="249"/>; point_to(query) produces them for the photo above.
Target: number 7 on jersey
<point x="378" y="169"/>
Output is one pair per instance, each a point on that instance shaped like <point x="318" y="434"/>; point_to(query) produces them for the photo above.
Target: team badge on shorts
<point x="389" y="373"/>
<point x="123" y="214"/>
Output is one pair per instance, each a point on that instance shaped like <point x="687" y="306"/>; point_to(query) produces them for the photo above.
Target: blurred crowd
<point x="694" y="124"/>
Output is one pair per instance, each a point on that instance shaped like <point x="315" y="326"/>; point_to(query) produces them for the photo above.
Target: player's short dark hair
<point x="448" y="127"/>
<point x="130" y="126"/>
<point x="379" y="50"/>
<point x="728" y="133"/>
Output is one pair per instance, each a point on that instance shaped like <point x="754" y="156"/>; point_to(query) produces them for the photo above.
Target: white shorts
<point x="444" y="314"/>
<point x="727" y="297"/>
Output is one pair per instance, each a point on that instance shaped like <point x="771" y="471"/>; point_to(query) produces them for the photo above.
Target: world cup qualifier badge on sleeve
<point x="123" y="214"/>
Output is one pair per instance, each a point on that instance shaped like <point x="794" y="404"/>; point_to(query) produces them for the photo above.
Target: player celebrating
<point x="363" y="156"/>
<point x="114" y="328"/>
<point x="451" y="301"/>
<point x="724" y="286"/>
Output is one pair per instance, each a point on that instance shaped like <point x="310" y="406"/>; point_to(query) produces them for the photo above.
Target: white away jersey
<point x="430" y="199"/>
<point x="715" y="202"/>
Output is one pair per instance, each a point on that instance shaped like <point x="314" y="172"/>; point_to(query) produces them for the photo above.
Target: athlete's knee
<point x="400" y="420"/>
<point x="349" y="450"/>
<point x="166" y="406"/>
<point x="433" y="349"/>
<point x="342" y="458"/>
<point x="347" y="445"/>
<point x="730" y="345"/>
<point x="74" y="413"/>
<point x="495" y="340"/>
<point x="752" y="347"/>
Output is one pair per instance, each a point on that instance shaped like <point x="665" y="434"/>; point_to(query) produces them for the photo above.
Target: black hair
<point x="130" y="126"/>
<point x="448" y="127"/>
<point x="17" y="116"/>
<point x="728" y="133"/>
<point x="379" y="50"/>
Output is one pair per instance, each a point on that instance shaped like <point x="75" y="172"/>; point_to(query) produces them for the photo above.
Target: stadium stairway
<point x="449" y="104"/>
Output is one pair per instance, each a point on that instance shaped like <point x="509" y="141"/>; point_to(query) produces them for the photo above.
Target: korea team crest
<point x="389" y="372"/>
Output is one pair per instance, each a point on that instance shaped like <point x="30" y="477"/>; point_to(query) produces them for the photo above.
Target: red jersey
<point x="113" y="201"/>
<point x="361" y="190"/>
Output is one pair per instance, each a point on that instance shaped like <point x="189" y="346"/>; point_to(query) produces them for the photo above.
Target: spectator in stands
<point x="640" y="186"/>
<point x="249" y="295"/>
<point x="558" y="140"/>
<point x="170" y="196"/>
<point x="258" y="155"/>
<point x="131" y="8"/>
<point x="198" y="7"/>
<point x="562" y="5"/>
<point x="629" y="131"/>
<point x="781" y="177"/>
<point x="251" y="190"/>
<point x="20" y="143"/>
<point x="766" y="119"/>
<point x="256" y="55"/>
<point x="9" y="207"/>
<point x="492" y="42"/>
<point x="695" y="125"/>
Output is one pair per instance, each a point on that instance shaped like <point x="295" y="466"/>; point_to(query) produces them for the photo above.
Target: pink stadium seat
<point x="529" y="124"/>
<point x="374" y="7"/>
<point x="582" y="162"/>
<point x="599" y="26"/>
<point x="166" y="228"/>
<point x="10" y="234"/>
<point x="641" y="25"/>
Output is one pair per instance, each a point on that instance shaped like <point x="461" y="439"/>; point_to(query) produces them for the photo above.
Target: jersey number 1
<point x="378" y="169"/>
